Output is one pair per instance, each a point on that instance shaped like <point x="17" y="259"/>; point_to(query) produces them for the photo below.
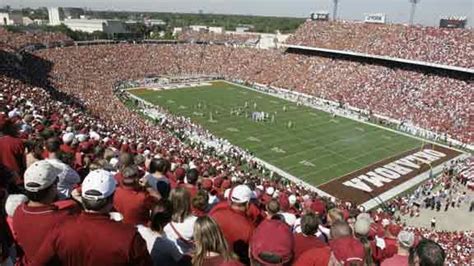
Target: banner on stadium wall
<point x="375" y="18"/>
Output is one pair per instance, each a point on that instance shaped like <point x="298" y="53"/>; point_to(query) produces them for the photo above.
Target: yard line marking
<point x="252" y="138"/>
<point x="278" y="150"/>
<point x="360" y="129"/>
<point x="232" y="129"/>
<point x="306" y="163"/>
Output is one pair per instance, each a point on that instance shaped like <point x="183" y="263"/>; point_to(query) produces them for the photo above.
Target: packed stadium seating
<point x="67" y="93"/>
<point x="218" y="38"/>
<point x="428" y="44"/>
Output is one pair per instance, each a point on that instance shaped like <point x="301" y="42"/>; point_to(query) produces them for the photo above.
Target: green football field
<point x="317" y="148"/>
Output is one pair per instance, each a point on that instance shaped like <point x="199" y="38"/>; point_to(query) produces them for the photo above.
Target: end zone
<point x="374" y="184"/>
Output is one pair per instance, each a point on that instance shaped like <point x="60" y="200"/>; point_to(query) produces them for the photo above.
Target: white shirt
<point x="148" y="235"/>
<point x="67" y="178"/>
<point x="185" y="229"/>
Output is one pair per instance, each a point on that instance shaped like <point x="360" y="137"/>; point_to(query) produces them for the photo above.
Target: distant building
<point x="198" y="28"/>
<point x="54" y="18"/>
<point x="109" y="27"/>
<point x="5" y="19"/>
<point x="242" y="29"/>
<point x="40" y="22"/>
<point x="27" y="21"/>
<point x="154" y="22"/>
<point x="218" y="30"/>
<point x="177" y="30"/>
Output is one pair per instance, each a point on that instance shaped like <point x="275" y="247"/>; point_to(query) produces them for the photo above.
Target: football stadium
<point x="336" y="143"/>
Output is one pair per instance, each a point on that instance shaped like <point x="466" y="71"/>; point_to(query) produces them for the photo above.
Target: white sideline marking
<point x="306" y="163"/>
<point x="275" y="102"/>
<point x="232" y="129"/>
<point x="360" y="129"/>
<point x="278" y="150"/>
<point x="252" y="138"/>
<point x="334" y="121"/>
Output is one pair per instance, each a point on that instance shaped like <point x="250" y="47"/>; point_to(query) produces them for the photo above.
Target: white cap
<point x="94" y="135"/>
<point x="362" y="226"/>
<point x="40" y="175"/>
<point x="81" y="137"/>
<point x="241" y="194"/>
<point x="385" y="222"/>
<point x="365" y="216"/>
<point x="100" y="181"/>
<point x="13" y="201"/>
<point x="68" y="137"/>
<point x="269" y="191"/>
<point x="292" y="199"/>
<point x="406" y="238"/>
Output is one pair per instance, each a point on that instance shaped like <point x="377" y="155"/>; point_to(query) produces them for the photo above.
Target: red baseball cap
<point x="348" y="250"/>
<point x="272" y="238"/>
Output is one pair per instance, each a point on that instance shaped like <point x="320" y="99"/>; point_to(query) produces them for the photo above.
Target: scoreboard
<point x="453" y="22"/>
<point x="320" y="15"/>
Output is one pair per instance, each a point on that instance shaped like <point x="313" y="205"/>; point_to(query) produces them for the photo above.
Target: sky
<point x="428" y="12"/>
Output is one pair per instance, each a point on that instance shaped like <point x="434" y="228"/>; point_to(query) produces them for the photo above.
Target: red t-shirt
<point x="396" y="260"/>
<point x="314" y="257"/>
<point x="12" y="154"/>
<point x="390" y="248"/>
<point x="93" y="239"/>
<point x="219" y="261"/>
<point x="303" y="243"/>
<point x="236" y="227"/>
<point x="32" y="224"/>
<point x="134" y="205"/>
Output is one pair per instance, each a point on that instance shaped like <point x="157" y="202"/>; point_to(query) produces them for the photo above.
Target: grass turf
<point x="317" y="149"/>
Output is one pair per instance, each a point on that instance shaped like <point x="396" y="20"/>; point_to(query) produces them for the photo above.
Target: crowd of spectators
<point x="72" y="155"/>
<point x="17" y="41"/>
<point x="218" y="38"/>
<point x="437" y="103"/>
<point x="428" y="44"/>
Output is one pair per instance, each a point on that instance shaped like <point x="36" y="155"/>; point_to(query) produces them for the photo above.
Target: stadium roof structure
<point x="380" y="57"/>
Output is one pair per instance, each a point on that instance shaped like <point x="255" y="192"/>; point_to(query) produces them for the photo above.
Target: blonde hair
<point x="335" y="214"/>
<point x="181" y="204"/>
<point x="208" y="237"/>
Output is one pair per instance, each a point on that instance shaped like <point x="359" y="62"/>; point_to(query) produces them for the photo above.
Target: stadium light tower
<point x="334" y="10"/>
<point x="412" y="12"/>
